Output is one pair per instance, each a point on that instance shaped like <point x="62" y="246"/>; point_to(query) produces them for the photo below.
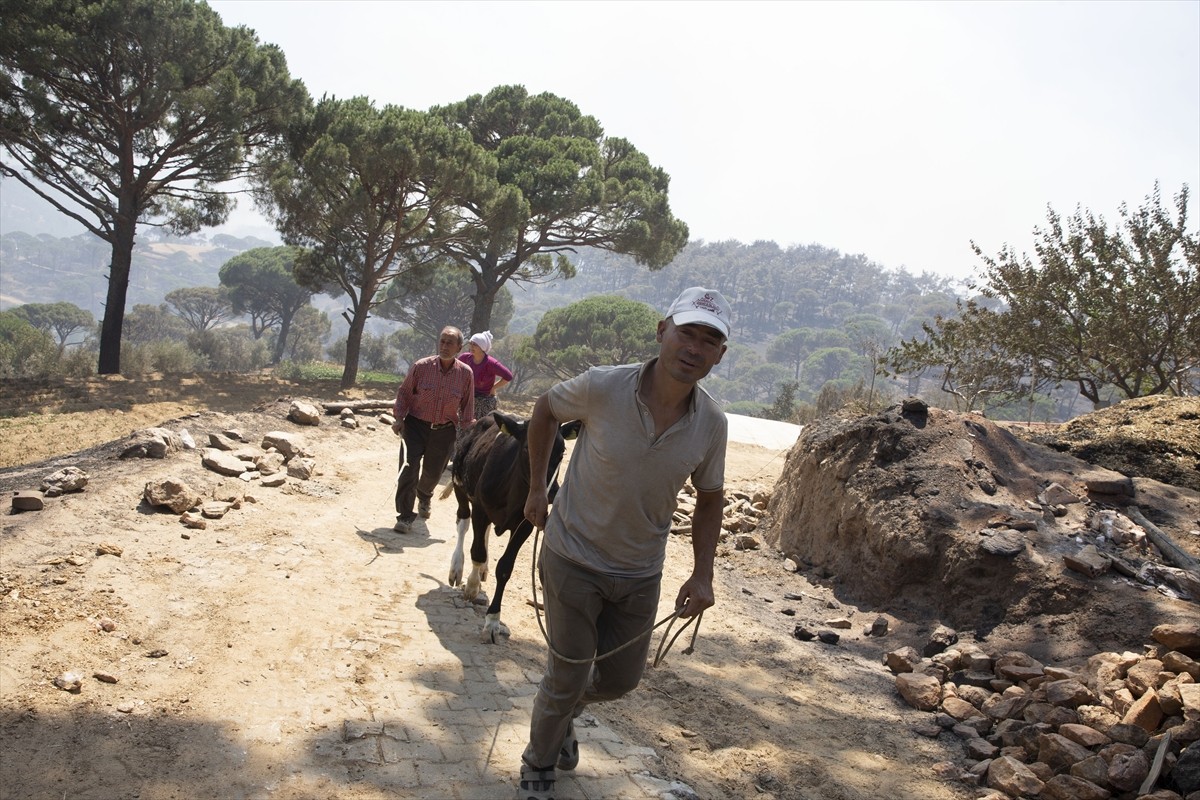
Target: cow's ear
<point x="510" y="425"/>
<point x="570" y="430"/>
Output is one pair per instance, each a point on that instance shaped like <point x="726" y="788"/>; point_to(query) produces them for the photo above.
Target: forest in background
<point x="808" y="317"/>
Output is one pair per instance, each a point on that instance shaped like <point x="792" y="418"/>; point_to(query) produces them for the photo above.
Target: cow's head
<point x="517" y="428"/>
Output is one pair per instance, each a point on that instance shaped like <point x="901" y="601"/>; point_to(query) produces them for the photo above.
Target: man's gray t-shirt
<point x="613" y="512"/>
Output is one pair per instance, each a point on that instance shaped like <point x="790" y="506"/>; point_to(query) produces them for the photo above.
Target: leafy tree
<point x="827" y="363"/>
<point x="512" y="351"/>
<point x="371" y="193"/>
<point x="62" y="318"/>
<point x="201" y="307"/>
<point x="761" y="379"/>
<point x="784" y="406"/>
<point x="1103" y="306"/>
<point x="444" y="297"/>
<point x="145" y="324"/>
<point x="309" y="329"/>
<point x="972" y="366"/>
<point x="262" y="285"/>
<point x="1117" y="306"/>
<point x="412" y="344"/>
<point x="25" y="351"/>
<point x="593" y="332"/>
<point x="564" y="185"/>
<point x="119" y="112"/>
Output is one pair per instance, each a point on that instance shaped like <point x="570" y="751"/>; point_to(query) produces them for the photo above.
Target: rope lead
<point x="659" y="655"/>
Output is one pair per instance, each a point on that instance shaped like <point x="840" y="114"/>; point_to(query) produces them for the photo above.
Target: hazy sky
<point x="901" y="130"/>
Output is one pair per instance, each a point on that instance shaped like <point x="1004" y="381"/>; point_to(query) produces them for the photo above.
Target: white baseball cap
<point x="702" y="306"/>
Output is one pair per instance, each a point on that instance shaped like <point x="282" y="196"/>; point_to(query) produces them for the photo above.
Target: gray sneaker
<point x="535" y="784"/>
<point x="404" y="524"/>
<point x="423" y="508"/>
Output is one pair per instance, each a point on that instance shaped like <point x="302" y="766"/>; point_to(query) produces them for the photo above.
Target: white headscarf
<point x="483" y="340"/>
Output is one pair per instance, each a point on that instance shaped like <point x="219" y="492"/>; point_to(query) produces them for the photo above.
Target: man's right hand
<point x="536" y="507"/>
<point x="398" y="427"/>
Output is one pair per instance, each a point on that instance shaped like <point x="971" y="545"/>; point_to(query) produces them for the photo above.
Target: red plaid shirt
<point x="437" y="395"/>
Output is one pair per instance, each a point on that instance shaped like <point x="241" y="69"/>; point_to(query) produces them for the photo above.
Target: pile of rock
<point x="1121" y="725"/>
<point x="744" y="509"/>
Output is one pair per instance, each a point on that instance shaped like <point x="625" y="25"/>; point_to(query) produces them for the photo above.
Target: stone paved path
<point x="457" y="722"/>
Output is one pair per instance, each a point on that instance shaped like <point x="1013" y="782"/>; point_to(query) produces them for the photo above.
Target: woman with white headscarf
<point x="490" y="375"/>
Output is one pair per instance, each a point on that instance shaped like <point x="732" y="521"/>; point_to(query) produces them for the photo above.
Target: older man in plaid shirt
<point x="435" y="400"/>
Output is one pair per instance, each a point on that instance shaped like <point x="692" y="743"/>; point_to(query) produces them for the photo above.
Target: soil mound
<point x="1153" y="437"/>
<point x="931" y="514"/>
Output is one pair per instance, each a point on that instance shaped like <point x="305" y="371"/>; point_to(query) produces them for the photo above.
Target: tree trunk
<point x="358" y="323"/>
<point x="285" y="327"/>
<point x="481" y="316"/>
<point x="118" y="289"/>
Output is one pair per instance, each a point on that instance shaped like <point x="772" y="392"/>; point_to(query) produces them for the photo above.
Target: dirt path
<point x="299" y="648"/>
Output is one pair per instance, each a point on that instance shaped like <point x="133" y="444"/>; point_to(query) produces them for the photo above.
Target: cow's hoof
<point x="494" y="629"/>
<point x="455" y="577"/>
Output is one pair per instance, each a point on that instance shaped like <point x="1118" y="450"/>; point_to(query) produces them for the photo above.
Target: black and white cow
<point x="490" y="480"/>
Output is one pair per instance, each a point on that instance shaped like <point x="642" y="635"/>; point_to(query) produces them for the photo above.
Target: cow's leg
<point x="464" y="518"/>
<point x="479" y="552"/>
<point x="456" y="560"/>
<point x="493" y="628"/>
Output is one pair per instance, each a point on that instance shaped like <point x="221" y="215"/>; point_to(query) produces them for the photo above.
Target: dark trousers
<point x="426" y="453"/>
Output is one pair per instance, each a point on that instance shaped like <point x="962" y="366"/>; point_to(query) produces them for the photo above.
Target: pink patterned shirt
<point x="437" y="395"/>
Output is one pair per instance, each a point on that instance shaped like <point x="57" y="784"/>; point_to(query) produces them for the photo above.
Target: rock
<point x="302" y="468"/>
<point x="1107" y="482"/>
<point x="1145" y="713"/>
<point x="1126" y="771"/>
<point x="290" y="444"/>
<point x="222" y="462"/>
<point x="1143" y="676"/>
<point x="879" y="627"/>
<point x="171" y="493"/>
<point x="193" y="520"/>
<point x="745" y="542"/>
<point x="106" y="549"/>
<point x="1003" y="542"/>
<point x="903" y="659"/>
<point x="914" y="405"/>
<point x="1013" y="778"/>
<point x="69" y="681"/>
<point x="67" y="479"/>
<point x="828" y="637"/>
<point x="1177" y="662"/>
<point x="1068" y="787"/>
<point x="269" y="463"/>
<point x="1185" y="775"/>
<point x="105" y="624"/>
<point x="1184" y="637"/>
<point x="1059" y="753"/>
<point x="215" y="509"/>
<point x="1082" y="734"/>
<point x="152" y="443"/>
<point x="1088" y="561"/>
<point x="219" y="441"/>
<point x="1056" y="494"/>
<point x="303" y="413"/>
<point x="349" y="422"/>
<point x="841" y="623"/>
<point x="278" y="479"/>
<point x="105" y="677"/>
<point x="1069" y="693"/>
<point x="922" y="692"/>
<point x="939" y="640"/>
<point x="28" y="500"/>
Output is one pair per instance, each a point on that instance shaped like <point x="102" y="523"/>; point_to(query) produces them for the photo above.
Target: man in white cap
<point x="490" y="375"/>
<point x="647" y="428"/>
